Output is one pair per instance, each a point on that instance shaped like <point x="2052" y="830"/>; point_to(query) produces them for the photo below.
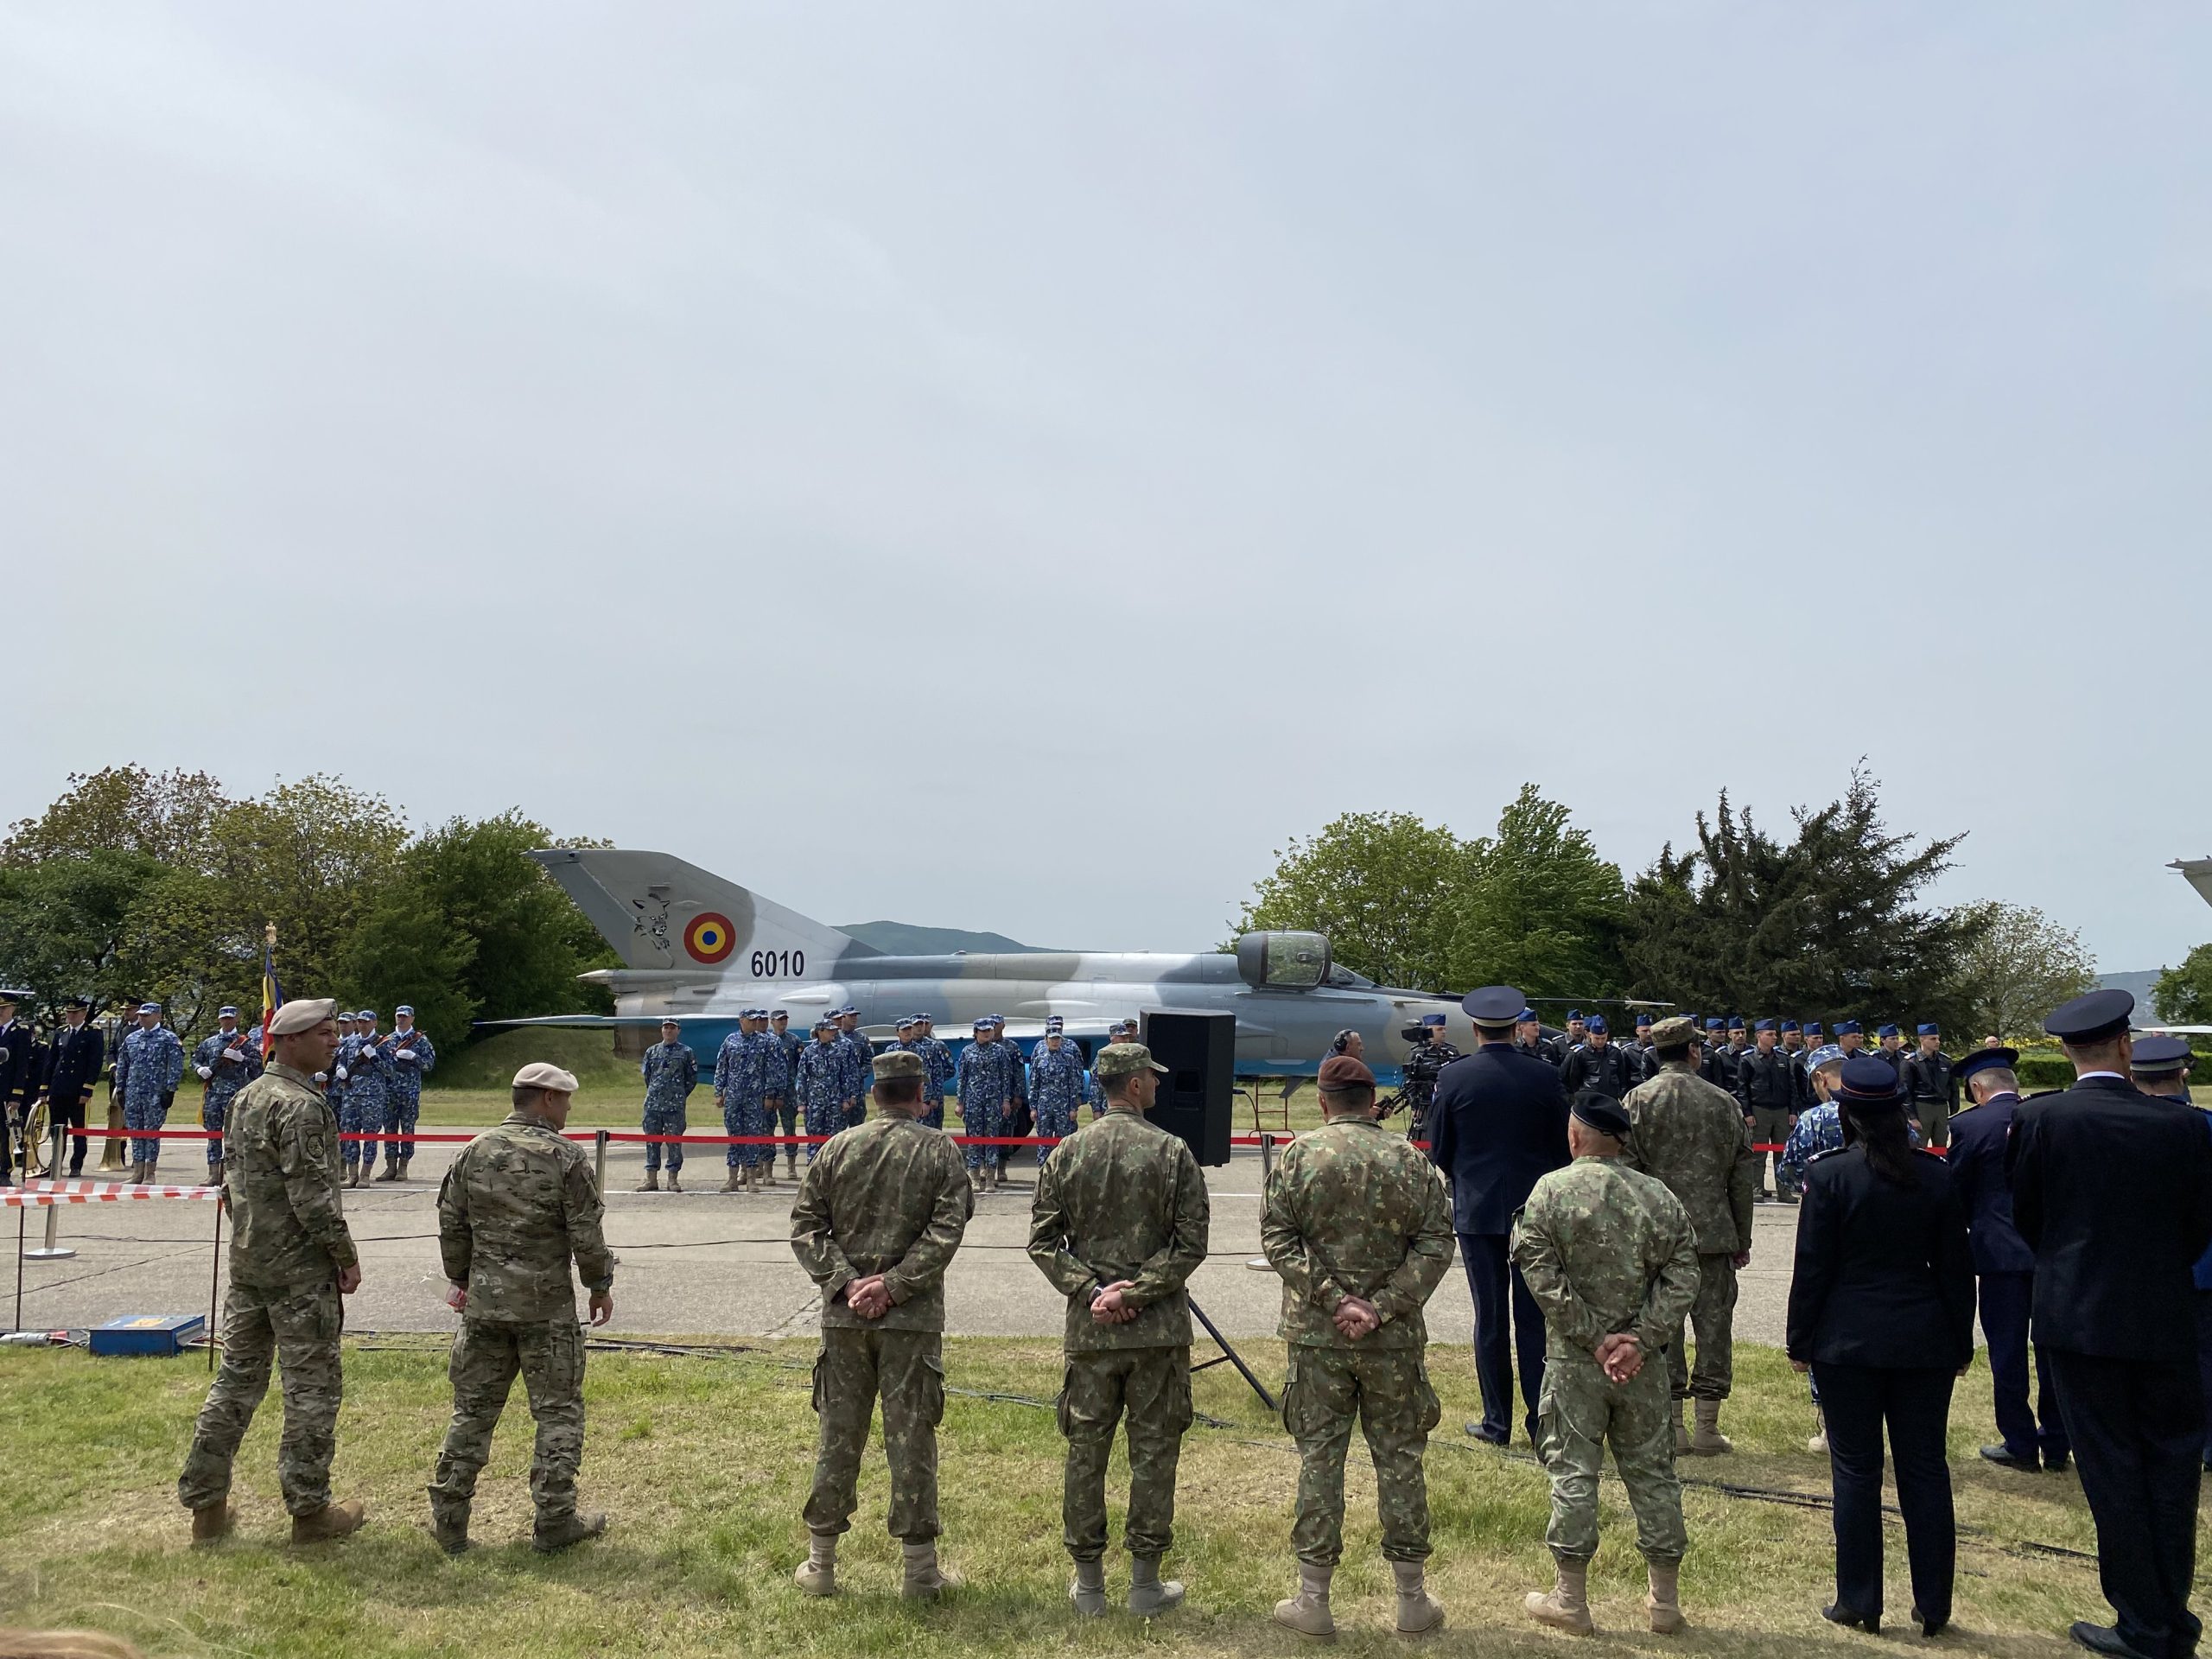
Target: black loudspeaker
<point x="1198" y="1093"/>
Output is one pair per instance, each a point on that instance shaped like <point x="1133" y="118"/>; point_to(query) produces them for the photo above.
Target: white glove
<point x="341" y="1074"/>
<point x="205" y="1072"/>
<point x="322" y="1077"/>
<point x="407" y="1054"/>
<point x="233" y="1055"/>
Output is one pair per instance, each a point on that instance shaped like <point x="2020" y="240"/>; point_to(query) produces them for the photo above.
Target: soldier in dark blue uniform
<point x="1600" y="1064"/>
<point x="2160" y="1066"/>
<point x="2112" y="1191"/>
<point x="18" y="1044"/>
<point x="72" y="1066"/>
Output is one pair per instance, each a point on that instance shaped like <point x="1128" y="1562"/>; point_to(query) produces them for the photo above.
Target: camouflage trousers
<point x="822" y="1117"/>
<point x="1053" y="1121"/>
<point x="1582" y="1410"/>
<point x="906" y="1370"/>
<point x="487" y="1354"/>
<point x="982" y="1118"/>
<point x="146" y="1114"/>
<point x="401" y="1112"/>
<point x="1387" y="1391"/>
<point x="297" y="1324"/>
<point x="1712" y="1321"/>
<point x="665" y="1120"/>
<point x="933" y="1111"/>
<point x="1153" y="1386"/>
<point x="359" y="1117"/>
<point x="214" y="1105"/>
<point x="748" y="1114"/>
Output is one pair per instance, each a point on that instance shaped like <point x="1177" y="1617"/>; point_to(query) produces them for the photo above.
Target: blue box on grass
<point x="149" y="1333"/>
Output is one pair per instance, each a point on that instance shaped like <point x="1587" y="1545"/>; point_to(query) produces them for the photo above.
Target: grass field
<point x="702" y="1462"/>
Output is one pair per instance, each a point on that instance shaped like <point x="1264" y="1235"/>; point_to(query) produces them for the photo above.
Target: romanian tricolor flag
<point x="272" y="993"/>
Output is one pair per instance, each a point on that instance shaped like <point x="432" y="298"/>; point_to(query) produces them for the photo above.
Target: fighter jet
<point x="699" y="948"/>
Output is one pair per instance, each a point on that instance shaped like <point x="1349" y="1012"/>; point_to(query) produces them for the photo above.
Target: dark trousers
<point x="2137" y="1429"/>
<point x="1495" y="1282"/>
<point x="2027" y="1433"/>
<point x="2204" y="1363"/>
<point x="1915" y="1405"/>
<point x="70" y="1114"/>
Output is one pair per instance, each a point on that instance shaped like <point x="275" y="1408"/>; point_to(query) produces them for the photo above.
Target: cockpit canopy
<point x="1283" y="960"/>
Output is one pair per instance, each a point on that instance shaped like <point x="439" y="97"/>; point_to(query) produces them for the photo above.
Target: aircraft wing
<point x="2178" y="1031"/>
<point x="2197" y="872"/>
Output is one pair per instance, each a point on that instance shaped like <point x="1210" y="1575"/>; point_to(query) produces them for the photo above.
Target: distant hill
<point x="2137" y="985"/>
<point x="905" y="939"/>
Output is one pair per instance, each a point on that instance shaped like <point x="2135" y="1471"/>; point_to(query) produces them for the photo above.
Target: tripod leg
<point x="1235" y="1359"/>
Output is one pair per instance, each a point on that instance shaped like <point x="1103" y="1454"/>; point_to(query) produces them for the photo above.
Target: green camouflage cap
<point x="1677" y="1032"/>
<point x="1123" y="1060"/>
<point x="897" y="1063"/>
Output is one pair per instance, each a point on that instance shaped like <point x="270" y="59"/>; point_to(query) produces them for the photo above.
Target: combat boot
<point x="1567" y="1607"/>
<point x="925" y="1577"/>
<point x="1664" y="1603"/>
<point x="212" y="1523"/>
<point x="768" y="1173"/>
<point x="1681" y="1431"/>
<point x="1088" y="1590"/>
<point x="730" y="1182"/>
<point x="330" y="1521"/>
<point x="574" y="1527"/>
<point x="817" y="1574"/>
<point x="1709" y="1441"/>
<point x="974" y="1180"/>
<point x="1419" y="1612"/>
<point x="391" y="1170"/>
<point x="673" y="1186"/>
<point x="215" y="1172"/>
<point x="137" y="1176"/>
<point x="449" y="1525"/>
<point x="652" y="1183"/>
<point x="403" y="1162"/>
<point x="1308" y="1612"/>
<point x="1149" y="1593"/>
<point x="791" y="1164"/>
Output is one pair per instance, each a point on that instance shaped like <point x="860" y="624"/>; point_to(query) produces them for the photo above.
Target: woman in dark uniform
<point x="1881" y="1312"/>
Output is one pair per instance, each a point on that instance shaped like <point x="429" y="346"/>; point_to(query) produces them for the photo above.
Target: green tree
<point x="407" y="949"/>
<point x="168" y="816"/>
<point x="310" y="856"/>
<point x="1384" y="887"/>
<point x="114" y="926"/>
<point x="2184" y="994"/>
<point x="2019" y="966"/>
<point x="1544" y="911"/>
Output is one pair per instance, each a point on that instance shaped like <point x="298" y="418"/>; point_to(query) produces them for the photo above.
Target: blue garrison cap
<point x="2160" y="1053"/>
<point x="1868" y="1080"/>
<point x="1494" y="1005"/>
<point x="1714" y="1024"/>
<point x="1982" y="1058"/>
<point x="1735" y="1022"/>
<point x="1768" y="1025"/>
<point x="1889" y="1031"/>
<point x="1930" y="1030"/>
<point x="2091" y="1019"/>
<point x="1789" y="1024"/>
<point x="1526" y="1014"/>
<point x="1597" y="1023"/>
<point x="1812" y="1028"/>
<point x="1432" y="1019"/>
<point x="1575" y="1013"/>
<point x="1642" y="1018"/>
<point x="227" y="1008"/>
<point x="1842" y="1027"/>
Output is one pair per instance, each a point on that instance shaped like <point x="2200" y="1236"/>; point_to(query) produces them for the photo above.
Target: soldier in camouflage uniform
<point x="938" y="1060"/>
<point x="291" y="1260"/>
<point x="1118" y="1225"/>
<point x="1691" y="1134"/>
<point x="517" y="1207"/>
<point x="1055" y="1085"/>
<point x="147" y="1072"/>
<point x="1358" y="1223"/>
<point x="787" y="1110"/>
<point x="224" y="1062"/>
<point x="671" y="1072"/>
<point x="741" y="1090"/>
<point x="878" y="1218"/>
<point x="362" y="1070"/>
<point x="406" y="1058"/>
<point x="819" y="1082"/>
<point x="984" y="1084"/>
<point x="1611" y="1257"/>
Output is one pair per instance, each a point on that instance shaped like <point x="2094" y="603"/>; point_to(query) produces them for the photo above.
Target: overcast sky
<point x="1014" y="466"/>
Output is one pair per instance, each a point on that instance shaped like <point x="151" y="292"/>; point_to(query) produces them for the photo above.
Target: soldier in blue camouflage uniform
<point x="776" y="1071"/>
<point x="787" y="1115"/>
<point x="741" y="1087"/>
<point x="362" y="1069"/>
<point x="819" y="1082"/>
<point x="333" y="1086"/>
<point x="984" y="1082"/>
<point x="1056" y="1086"/>
<point x="1820" y="1127"/>
<point x="937" y="1059"/>
<point x="147" y="1073"/>
<point x="862" y="1073"/>
<point x="226" y="1061"/>
<point x="1122" y="1030"/>
<point x="1020" y="1078"/>
<point x="671" y="1072"/>
<point x="406" y="1057"/>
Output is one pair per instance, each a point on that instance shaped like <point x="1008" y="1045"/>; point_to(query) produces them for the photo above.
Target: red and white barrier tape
<point x="42" y="1195"/>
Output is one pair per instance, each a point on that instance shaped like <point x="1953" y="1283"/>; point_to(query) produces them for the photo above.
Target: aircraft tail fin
<point x="659" y="912"/>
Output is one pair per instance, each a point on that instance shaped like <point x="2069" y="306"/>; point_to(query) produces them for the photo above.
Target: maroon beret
<point x="1342" y="1071"/>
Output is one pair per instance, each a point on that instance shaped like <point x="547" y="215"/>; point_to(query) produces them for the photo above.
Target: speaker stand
<point x="1228" y="1356"/>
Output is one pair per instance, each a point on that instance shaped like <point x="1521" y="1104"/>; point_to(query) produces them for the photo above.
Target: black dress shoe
<point x="2004" y="1457"/>
<point x="1930" y="1626"/>
<point x="2057" y="1466"/>
<point x="2105" y="1638"/>
<point x="1836" y="1613"/>
<point x="1488" y="1436"/>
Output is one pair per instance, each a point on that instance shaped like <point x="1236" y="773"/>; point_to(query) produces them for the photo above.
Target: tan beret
<point x="1124" y="1060"/>
<point x="897" y="1063"/>
<point x="538" y="1075"/>
<point x="1676" y="1033"/>
<point x="302" y="1013"/>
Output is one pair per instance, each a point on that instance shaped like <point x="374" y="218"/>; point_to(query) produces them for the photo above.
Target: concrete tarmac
<point x="704" y="1262"/>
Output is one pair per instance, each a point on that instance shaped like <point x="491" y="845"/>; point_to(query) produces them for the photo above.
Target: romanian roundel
<point x="710" y="937"/>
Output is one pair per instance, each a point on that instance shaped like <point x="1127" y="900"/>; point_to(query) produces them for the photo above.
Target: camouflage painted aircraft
<point x="699" y="948"/>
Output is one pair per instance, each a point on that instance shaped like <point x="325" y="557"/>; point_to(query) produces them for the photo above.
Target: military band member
<point x="671" y="1069"/>
<point x="147" y="1073"/>
<point x="878" y="1217"/>
<point x="72" y="1067"/>
<point x="225" y="1063"/>
<point x="1358" y="1223"/>
<point x="291" y="1262"/>
<point x="1931" y="1092"/>
<point x="18" y="1076"/>
<point x="1118" y="1225"/>
<point x="1611" y="1258"/>
<point x="406" y="1058"/>
<point x="516" y="1208"/>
